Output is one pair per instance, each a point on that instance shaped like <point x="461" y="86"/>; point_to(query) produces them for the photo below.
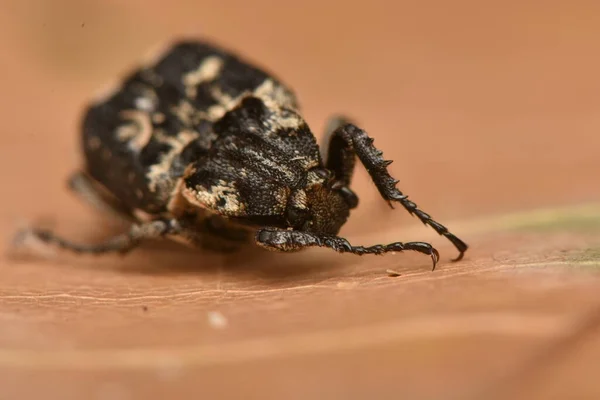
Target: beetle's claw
<point x="435" y="256"/>
<point x="460" y="257"/>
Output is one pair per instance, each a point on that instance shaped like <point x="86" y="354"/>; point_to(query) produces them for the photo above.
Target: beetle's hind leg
<point x="118" y="244"/>
<point x="87" y="189"/>
<point x="346" y="142"/>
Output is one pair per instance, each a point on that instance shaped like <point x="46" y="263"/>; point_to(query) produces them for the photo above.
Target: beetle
<point x="201" y="146"/>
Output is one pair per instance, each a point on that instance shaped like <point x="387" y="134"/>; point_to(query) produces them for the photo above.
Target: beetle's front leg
<point x="276" y="239"/>
<point x="346" y="141"/>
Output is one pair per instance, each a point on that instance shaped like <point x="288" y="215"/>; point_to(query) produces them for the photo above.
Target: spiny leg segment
<point x="346" y="141"/>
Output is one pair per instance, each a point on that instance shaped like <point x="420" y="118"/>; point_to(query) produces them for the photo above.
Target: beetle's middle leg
<point x="118" y="244"/>
<point x="346" y="142"/>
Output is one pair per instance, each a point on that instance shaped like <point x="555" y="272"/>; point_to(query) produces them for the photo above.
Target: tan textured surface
<point x="487" y="110"/>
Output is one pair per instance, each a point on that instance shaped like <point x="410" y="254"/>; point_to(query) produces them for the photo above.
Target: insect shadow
<point x="167" y="258"/>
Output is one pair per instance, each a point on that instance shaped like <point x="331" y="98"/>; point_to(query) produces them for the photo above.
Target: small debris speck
<point x="346" y="285"/>
<point x="83" y="25"/>
<point x="217" y="320"/>
<point x="144" y="308"/>
<point x="391" y="273"/>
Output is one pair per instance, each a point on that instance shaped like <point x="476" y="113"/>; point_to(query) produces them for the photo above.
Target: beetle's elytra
<point x="203" y="147"/>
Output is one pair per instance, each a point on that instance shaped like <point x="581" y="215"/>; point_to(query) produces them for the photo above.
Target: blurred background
<point x="487" y="108"/>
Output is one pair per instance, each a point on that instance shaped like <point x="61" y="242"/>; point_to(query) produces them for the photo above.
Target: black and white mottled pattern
<point x="163" y="118"/>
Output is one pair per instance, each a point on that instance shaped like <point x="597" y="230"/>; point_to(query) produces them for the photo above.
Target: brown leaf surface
<point x="491" y="113"/>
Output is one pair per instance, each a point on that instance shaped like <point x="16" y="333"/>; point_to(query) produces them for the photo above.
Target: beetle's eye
<point x="349" y="196"/>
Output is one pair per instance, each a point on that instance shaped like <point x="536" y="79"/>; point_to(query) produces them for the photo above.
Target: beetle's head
<point x="323" y="206"/>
